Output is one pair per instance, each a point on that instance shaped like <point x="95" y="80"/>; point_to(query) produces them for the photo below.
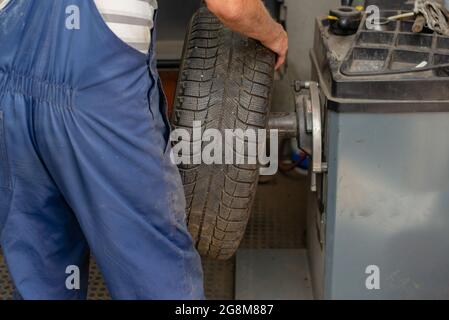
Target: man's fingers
<point x="280" y="61"/>
<point x="279" y="45"/>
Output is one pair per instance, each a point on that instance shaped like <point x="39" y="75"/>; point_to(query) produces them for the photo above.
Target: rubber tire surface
<point x="225" y="82"/>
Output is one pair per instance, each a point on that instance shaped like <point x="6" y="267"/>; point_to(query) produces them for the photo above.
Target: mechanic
<point x="84" y="148"/>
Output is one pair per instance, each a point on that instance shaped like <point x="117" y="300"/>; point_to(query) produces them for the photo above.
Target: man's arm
<point x="251" y="18"/>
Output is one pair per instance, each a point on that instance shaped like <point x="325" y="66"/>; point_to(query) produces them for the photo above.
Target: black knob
<point x="347" y="20"/>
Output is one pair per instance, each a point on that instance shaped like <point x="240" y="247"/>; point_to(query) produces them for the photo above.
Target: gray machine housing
<point x="378" y="222"/>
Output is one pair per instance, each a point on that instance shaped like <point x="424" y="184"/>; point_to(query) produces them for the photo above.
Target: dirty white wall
<point x="300" y="24"/>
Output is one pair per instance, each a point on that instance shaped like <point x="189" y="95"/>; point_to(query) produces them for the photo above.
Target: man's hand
<point x="278" y="43"/>
<point x="251" y="18"/>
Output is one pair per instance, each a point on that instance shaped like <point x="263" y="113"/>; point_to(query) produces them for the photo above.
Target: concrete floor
<point x="277" y="222"/>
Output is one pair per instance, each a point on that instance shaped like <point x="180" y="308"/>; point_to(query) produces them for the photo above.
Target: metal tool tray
<point x="379" y="65"/>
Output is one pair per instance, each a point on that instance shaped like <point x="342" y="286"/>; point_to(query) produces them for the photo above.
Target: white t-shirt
<point x="130" y="20"/>
<point x="3" y="3"/>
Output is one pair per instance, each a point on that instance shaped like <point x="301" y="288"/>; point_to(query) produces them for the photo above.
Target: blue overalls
<point x="84" y="155"/>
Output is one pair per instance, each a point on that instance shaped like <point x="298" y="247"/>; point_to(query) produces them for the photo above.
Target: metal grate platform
<point x="97" y="288"/>
<point x="6" y="287"/>
<point x="279" y="215"/>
